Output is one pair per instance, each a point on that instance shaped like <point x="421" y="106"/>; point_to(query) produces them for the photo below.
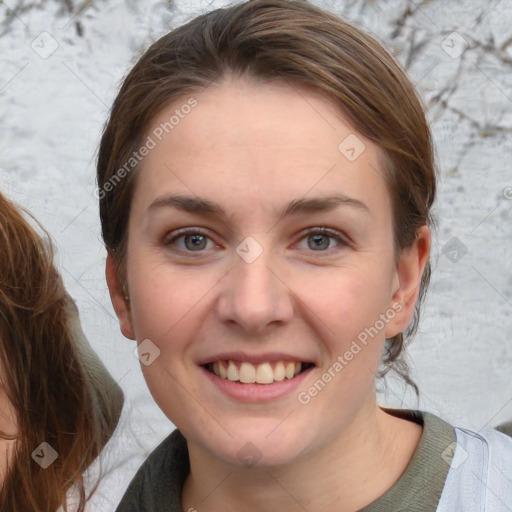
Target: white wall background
<point x="53" y="107"/>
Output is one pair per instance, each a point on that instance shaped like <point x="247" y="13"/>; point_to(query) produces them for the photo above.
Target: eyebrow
<point x="297" y="206"/>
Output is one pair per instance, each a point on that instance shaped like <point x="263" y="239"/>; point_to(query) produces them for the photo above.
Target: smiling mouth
<point x="264" y="373"/>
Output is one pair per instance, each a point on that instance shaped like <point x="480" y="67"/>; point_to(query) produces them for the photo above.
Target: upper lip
<point x="253" y="358"/>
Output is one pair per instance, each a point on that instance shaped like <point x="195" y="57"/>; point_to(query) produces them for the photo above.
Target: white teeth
<point x="222" y="370"/>
<point x="289" y="370"/>
<point x="232" y="372"/>
<point x="263" y="373"/>
<point x="247" y="373"/>
<point x="279" y="371"/>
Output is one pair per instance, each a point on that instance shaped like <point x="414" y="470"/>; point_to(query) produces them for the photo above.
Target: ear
<point x="407" y="280"/>
<point x="117" y="296"/>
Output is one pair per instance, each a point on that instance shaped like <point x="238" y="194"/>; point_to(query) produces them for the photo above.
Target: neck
<point x="360" y="465"/>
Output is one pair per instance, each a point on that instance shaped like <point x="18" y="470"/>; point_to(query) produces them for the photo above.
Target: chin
<point x="258" y="446"/>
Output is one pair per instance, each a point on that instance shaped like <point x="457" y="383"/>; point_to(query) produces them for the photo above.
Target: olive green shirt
<point x="158" y="484"/>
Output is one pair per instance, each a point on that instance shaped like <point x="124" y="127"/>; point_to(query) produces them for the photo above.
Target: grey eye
<point x="195" y="242"/>
<point x="320" y="241"/>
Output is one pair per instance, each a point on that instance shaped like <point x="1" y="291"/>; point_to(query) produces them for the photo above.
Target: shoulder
<point x="159" y="480"/>
<point x="480" y="475"/>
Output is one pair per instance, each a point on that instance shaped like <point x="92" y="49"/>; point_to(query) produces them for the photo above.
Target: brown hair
<point x="306" y="46"/>
<point x="56" y="397"/>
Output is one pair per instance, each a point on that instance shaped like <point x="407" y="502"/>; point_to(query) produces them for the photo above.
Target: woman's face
<point x="253" y="173"/>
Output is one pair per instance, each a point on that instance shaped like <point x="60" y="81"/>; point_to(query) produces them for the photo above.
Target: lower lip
<point x="257" y="392"/>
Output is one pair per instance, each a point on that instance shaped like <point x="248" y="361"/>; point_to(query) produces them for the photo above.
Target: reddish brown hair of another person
<point x="44" y="377"/>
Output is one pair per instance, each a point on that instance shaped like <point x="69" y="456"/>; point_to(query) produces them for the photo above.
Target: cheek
<point x="346" y="300"/>
<point x="166" y="301"/>
<point x="168" y="309"/>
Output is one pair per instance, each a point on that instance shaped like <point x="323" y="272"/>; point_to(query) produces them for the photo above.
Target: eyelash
<point x="342" y="241"/>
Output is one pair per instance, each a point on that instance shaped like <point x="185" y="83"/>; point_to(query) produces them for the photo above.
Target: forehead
<point x="270" y="140"/>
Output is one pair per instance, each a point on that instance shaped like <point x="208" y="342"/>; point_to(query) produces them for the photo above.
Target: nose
<point x="254" y="296"/>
